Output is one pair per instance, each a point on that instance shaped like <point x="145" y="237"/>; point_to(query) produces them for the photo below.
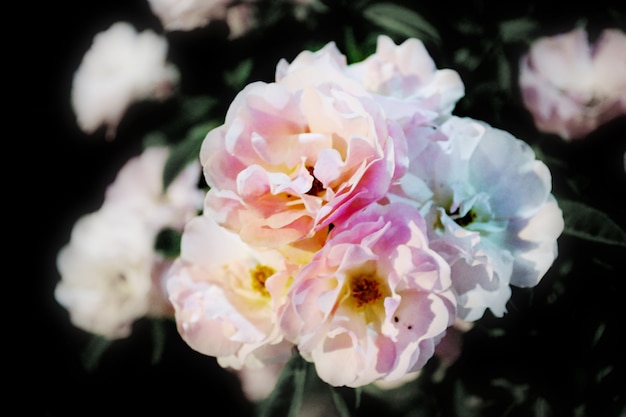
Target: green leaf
<point x="286" y="398"/>
<point x="401" y="21"/>
<point x="353" y="52"/>
<point x="465" y="58"/>
<point x="238" y="77"/>
<point x="585" y="222"/>
<point x="340" y="404"/>
<point x="94" y="351"/>
<point x="158" y="337"/>
<point x="505" y="78"/>
<point x="194" y="109"/>
<point x="468" y="27"/>
<point x="516" y="30"/>
<point x="185" y="152"/>
<point x="167" y="243"/>
<point x="542" y="408"/>
<point x="154" y="139"/>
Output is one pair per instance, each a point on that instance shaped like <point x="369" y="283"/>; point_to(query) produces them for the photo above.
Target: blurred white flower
<point x="121" y="67"/>
<point x="139" y="187"/>
<point x="111" y="273"/>
<point x="187" y="15"/>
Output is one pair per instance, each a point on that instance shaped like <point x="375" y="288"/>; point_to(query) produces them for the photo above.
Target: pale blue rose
<point x="489" y="209"/>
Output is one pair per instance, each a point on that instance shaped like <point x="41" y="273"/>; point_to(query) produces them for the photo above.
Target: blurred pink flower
<point x="120" y="68"/>
<point x="226" y="294"/>
<point x="571" y="87"/>
<point x="298" y="154"/>
<point x="374" y="302"/>
<point x="258" y="383"/>
<point x="241" y="19"/>
<point x="186" y="15"/>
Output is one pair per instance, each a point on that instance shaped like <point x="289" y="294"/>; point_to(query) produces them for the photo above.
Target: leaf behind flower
<point x="93" y="352"/>
<point x="402" y="21"/>
<point x="522" y="29"/>
<point x="286" y="398"/>
<point x="585" y="222"/>
<point x="185" y="152"/>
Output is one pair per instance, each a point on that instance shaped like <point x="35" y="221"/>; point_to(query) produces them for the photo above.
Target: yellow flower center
<point x="259" y="275"/>
<point x="365" y="289"/>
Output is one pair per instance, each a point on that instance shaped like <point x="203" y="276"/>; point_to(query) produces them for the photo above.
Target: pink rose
<point x="374" y="302"/>
<point x="225" y="295"/>
<point x="571" y="87"/>
<point x="299" y="154"/>
<point x="406" y="80"/>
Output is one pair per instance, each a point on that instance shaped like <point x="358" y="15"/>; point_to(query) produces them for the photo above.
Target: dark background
<point x="558" y="352"/>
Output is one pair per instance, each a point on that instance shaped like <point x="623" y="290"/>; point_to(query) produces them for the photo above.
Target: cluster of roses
<point x="351" y="217"/>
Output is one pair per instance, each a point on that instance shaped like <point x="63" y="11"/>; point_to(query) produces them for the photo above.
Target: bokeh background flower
<point x="120" y="68"/>
<point x="572" y="84"/>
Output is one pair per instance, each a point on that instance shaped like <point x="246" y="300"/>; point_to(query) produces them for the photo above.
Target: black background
<point x="548" y="342"/>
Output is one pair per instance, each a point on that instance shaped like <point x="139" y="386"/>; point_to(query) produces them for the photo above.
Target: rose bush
<point x="361" y="219"/>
